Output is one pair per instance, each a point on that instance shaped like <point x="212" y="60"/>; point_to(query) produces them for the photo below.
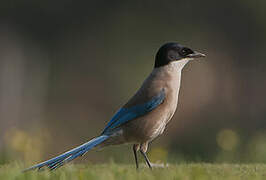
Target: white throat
<point x="178" y="65"/>
<point x="171" y="68"/>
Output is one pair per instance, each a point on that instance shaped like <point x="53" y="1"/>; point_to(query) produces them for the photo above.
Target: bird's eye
<point x="185" y="51"/>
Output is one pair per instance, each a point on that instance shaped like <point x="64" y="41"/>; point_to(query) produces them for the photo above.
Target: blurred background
<point x="67" y="66"/>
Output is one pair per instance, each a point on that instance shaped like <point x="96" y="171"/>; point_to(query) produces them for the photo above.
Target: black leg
<point x="146" y="158"/>
<point x="136" y="156"/>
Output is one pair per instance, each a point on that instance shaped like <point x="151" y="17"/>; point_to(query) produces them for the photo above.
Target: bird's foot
<point x="155" y="165"/>
<point x="160" y="165"/>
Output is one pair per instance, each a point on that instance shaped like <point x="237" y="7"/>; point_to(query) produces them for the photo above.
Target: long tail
<point x="68" y="156"/>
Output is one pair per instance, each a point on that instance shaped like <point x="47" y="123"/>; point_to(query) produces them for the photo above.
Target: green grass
<point x="119" y="171"/>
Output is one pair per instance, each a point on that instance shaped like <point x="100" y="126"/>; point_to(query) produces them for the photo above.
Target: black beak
<point x="196" y="54"/>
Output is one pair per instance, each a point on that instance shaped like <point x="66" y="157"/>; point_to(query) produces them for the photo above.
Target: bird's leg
<point x="135" y="149"/>
<point x="146" y="158"/>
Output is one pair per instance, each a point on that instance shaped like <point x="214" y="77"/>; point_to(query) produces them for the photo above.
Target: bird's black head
<point x="173" y="52"/>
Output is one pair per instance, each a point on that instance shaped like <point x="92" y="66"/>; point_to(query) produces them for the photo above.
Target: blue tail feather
<point x="70" y="155"/>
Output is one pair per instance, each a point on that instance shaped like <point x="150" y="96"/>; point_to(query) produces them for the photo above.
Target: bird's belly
<point x="140" y="132"/>
<point x="148" y="127"/>
<point x="151" y="125"/>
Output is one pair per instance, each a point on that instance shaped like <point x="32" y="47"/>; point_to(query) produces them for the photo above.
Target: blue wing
<point x="126" y="114"/>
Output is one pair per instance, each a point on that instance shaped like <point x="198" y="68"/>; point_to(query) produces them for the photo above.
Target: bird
<point x="146" y="114"/>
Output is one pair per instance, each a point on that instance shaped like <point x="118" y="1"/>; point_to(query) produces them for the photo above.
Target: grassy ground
<point x="117" y="171"/>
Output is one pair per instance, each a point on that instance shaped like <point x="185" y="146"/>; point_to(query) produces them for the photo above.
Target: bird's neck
<point x="177" y="66"/>
<point x="172" y="68"/>
<point x="170" y="76"/>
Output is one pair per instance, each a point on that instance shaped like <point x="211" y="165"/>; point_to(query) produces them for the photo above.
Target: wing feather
<point x="126" y="114"/>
